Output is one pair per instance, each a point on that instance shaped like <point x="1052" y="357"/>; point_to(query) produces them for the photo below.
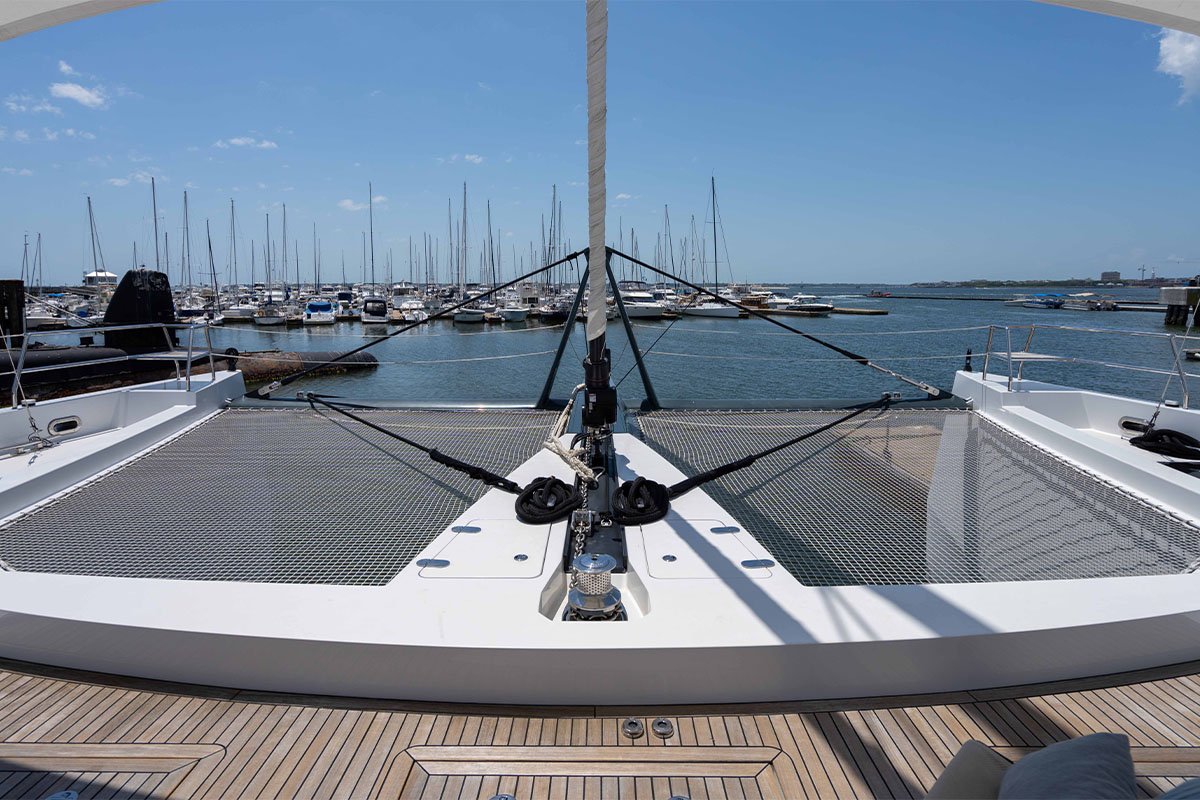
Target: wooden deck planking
<point x="291" y="746"/>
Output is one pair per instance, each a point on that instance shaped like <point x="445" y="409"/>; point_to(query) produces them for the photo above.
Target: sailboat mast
<point x="233" y="244"/>
<point x="601" y="407"/>
<point x="187" y="241"/>
<point x="462" y="261"/>
<point x="212" y="268"/>
<point x="716" y="283"/>
<point x="283" y="247"/>
<point x="154" y="207"/>
<point x="92" y="226"/>
<point x="371" y="222"/>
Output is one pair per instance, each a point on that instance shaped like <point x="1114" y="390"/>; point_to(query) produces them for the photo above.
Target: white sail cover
<point x="597" y="61"/>
<point x="1181" y="15"/>
<point x="19" y="17"/>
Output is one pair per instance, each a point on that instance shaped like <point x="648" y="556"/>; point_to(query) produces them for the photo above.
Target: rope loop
<point x="547" y="500"/>
<point x="640" y="502"/>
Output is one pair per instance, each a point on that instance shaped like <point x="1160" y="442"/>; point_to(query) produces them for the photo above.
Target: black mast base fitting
<point x="600" y="397"/>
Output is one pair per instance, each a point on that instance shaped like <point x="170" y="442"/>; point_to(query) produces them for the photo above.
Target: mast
<point x="600" y="409"/>
<point x="371" y="222"/>
<point x="233" y="245"/>
<point x="212" y="268"/>
<point x="187" y="241"/>
<point x="316" y="263"/>
<point x="283" y="263"/>
<point x="267" y="259"/>
<point x="716" y="282"/>
<point x="462" y="260"/>
<point x="154" y="206"/>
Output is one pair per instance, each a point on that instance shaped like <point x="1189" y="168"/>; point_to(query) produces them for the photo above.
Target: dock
<point x="269" y="365"/>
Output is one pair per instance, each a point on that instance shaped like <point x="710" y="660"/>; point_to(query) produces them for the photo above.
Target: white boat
<point x="514" y="313"/>
<point x="709" y="309"/>
<point x="641" y="305"/>
<point x="413" y="310"/>
<point x="1089" y="301"/>
<point x="270" y="314"/>
<point x="374" y="311"/>
<point x="319" y="311"/>
<point x="469" y="315"/>
<point x="241" y="310"/>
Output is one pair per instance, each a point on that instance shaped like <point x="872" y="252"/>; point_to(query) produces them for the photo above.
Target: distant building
<point x="1110" y="277"/>
<point x="99" y="278"/>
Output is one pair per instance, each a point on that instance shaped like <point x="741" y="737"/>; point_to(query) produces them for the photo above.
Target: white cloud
<point x="66" y="69"/>
<point x="623" y="196"/>
<point x="1179" y="55"/>
<point x="21" y="103"/>
<point x="474" y="159"/>
<point x="484" y="86"/>
<point x="575" y="183"/>
<point x="140" y="176"/>
<point x="245" y="141"/>
<point x="289" y="188"/>
<point x="580" y="142"/>
<point x="192" y="149"/>
<point x="190" y="185"/>
<point x="15" y="171"/>
<point x="51" y="135"/>
<point x="374" y="92"/>
<point x="95" y="97"/>
<point x="262" y="185"/>
<point x="20" y="136"/>
<point x="350" y="205"/>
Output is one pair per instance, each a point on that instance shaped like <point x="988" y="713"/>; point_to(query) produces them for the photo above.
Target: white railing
<point x="171" y="353"/>
<point x="1023" y="354"/>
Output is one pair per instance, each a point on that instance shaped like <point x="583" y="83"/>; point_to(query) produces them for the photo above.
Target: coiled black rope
<point x="547" y="500"/>
<point x="642" y="501"/>
<point x="472" y="471"/>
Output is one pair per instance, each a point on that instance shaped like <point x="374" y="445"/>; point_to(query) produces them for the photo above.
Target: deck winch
<point x="592" y="596"/>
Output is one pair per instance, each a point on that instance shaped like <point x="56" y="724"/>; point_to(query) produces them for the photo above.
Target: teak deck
<point x="108" y="737"/>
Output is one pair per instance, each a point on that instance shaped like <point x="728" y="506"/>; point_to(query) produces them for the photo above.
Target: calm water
<point x="743" y="359"/>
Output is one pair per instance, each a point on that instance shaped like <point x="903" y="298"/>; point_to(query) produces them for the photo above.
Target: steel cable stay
<point x="933" y="392"/>
<point x="642" y="501"/>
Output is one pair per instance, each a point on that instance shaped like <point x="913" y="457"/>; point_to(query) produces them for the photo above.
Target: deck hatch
<point x="919" y="496"/>
<point x="280" y="496"/>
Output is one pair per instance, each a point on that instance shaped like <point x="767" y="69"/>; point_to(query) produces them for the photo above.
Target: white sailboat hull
<point x="711" y="310"/>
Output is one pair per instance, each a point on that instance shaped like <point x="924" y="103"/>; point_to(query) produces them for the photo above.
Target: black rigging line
<point x="932" y="391"/>
<point x="642" y="501"/>
<point x="264" y="392"/>
<point x="478" y="473"/>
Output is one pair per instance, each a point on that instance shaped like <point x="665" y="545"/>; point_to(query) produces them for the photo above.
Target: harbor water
<point x="745" y="359"/>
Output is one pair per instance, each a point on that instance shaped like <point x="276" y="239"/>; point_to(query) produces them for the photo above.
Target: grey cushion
<point x="973" y="774"/>
<point x="1095" y="767"/>
<point x="1184" y="791"/>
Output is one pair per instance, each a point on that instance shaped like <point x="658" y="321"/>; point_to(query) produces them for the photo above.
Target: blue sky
<point x="860" y="141"/>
